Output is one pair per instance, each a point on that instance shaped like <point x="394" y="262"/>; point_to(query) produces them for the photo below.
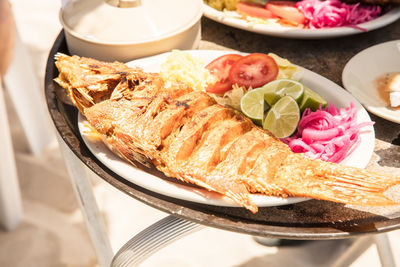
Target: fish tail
<point x="361" y="187"/>
<point x="343" y="184"/>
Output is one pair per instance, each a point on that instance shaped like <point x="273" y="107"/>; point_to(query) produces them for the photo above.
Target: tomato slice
<point x="286" y="10"/>
<point x="254" y="10"/>
<point x="220" y="68"/>
<point x="254" y="70"/>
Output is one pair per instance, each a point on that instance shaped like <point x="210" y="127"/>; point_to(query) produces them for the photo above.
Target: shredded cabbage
<point x="334" y="13"/>
<point x="286" y="69"/>
<point x="182" y="66"/>
<point x="232" y="97"/>
<point x="329" y="134"/>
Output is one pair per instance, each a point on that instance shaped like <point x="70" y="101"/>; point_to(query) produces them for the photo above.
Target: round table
<point x="309" y="220"/>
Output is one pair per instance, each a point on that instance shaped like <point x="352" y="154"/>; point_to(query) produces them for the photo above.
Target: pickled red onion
<point x="329" y="134"/>
<point x="334" y="13"/>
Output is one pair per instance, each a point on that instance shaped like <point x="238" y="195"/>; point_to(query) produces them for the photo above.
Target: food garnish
<point x="286" y="10"/>
<point x="334" y="13"/>
<point x="281" y="120"/>
<point x="329" y="134"/>
<point x="277" y="89"/>
<point x="254" y="70"/>
<point x="222" y="4"/>
<point x="250" y="71"/>
<point x="254" y="10"/>
<point x="252" y="105"/>
<point x="183" y="67"/>
<point x="220" y="68"/>
<point x="283" y="117"/>
<point x="216" y="78"/>
<point x="311" y="100"/>
<point x="307" y="14"/>
<point x="287" y="70"/>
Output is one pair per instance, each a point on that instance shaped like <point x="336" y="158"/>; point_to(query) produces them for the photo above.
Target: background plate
<point x="286" y="32"/>
<point x="364" y="68"/>
<point x="146" y="179"/>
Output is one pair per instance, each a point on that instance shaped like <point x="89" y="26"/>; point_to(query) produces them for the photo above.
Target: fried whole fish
<point x="187" y="135"/>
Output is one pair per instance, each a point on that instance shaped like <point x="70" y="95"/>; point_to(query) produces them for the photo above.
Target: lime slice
<point x="311" y="100"/>
<point x="283" y="117"/>
<point x="252" y="105"/>
<point x="277" y="89"/>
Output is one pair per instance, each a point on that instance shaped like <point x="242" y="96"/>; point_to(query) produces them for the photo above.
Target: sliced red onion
<point x="334" y="13"/>
<point x="310" y="134"/>
<point x="329" y="134"/>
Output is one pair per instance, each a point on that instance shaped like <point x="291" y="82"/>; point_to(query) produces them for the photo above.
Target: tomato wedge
<point x="254" y="10"/>
<point x="286" y="10"/>
<point x="220" y="68"/>
<point x="254" y="70"/>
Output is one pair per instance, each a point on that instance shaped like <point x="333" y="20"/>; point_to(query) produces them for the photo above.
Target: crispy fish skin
<point x="186" y="135"/>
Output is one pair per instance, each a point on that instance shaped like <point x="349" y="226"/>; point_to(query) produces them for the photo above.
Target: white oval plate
<point x="338" y="96"/>
<point x="362" y="70"/>
<point x="288" y="32"/>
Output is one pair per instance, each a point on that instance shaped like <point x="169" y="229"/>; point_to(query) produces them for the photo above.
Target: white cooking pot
<point x="124" y="30"/>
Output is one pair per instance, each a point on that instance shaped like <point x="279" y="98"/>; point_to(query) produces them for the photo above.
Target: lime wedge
<point x="283" y="117"/>
<point x="277" y="89"/>
<point x="252" y="105"/>
<point x="311" y="100"/>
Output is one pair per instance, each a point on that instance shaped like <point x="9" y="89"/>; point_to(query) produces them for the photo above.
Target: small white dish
<point x="360" y="74"/>
<point x="290" y="32"/>
<point x="328" y="89"/>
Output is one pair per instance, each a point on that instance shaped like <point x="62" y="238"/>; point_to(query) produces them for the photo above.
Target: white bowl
<point x="98" y="30"/>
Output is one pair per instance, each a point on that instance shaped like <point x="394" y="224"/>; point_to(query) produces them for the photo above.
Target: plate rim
<point x="378" y="111"/>
<point x="391" y="16"/>
<point x="198" y="198"/>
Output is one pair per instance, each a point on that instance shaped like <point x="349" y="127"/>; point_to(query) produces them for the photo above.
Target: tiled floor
<point x="53" y="233"/>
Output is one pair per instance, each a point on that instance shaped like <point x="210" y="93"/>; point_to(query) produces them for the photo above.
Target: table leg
<point x="384" y="250"/>
<point x="10" y="197"/>
<point x="24" y="90"/>
<point x="152" y="239"/>
<point x="361" y="244"/>
<point x="87" y="202"/>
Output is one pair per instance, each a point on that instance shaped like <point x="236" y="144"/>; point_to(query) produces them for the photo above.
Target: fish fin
<point x="361" y="187"/>
<point x="338" y="183"/>
<point x="258" y="185"/>
<point x="130" y="153"/>
<point x="59" y="55"/>
<point x="233" y="189"/>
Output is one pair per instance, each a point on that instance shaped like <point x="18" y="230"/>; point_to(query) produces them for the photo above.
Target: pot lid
<point x="129" y="21"/>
